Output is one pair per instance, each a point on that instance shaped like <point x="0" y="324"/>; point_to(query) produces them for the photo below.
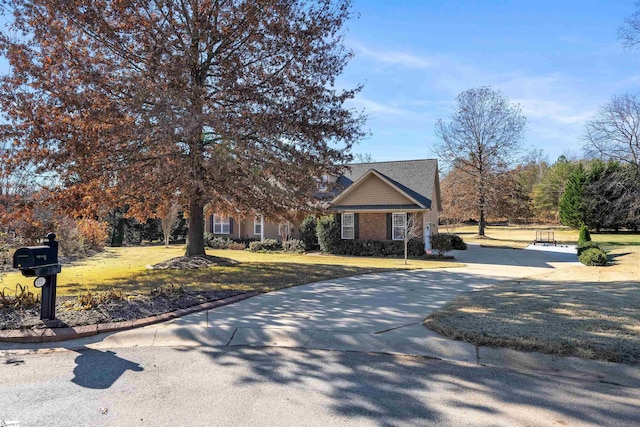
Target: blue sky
<point x="558" y="59"/>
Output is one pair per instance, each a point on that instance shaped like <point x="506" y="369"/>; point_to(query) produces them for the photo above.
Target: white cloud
<point x="371" y="106"/>
<point x="389" y="57"/>
<point x="557" y="111"/>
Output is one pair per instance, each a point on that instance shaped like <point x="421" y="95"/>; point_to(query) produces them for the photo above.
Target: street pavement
<point x="246" y="386"/>
<point x="322" y="338"/>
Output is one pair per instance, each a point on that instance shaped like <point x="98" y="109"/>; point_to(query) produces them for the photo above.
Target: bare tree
<point x="412" y="229"/>
<point x="629" y="31"/>
<point x="168" y="221"/>
<point x="484" y="138"/>
<point x="363" y="158"/>
<point x="614" y="134"/>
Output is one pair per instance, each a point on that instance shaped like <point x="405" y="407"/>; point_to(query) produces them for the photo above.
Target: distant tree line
<point x="603" y="195"/>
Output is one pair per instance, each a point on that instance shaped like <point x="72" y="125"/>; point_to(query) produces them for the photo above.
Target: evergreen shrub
<point x="586" y="245"/>
<point x="593" y="257"/>
<point x="308" y="233"/>
<point x="584" y="235"/>
<point x="328" y="233"/>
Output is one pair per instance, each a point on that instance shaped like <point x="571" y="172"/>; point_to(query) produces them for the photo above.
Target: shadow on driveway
<point x="389" y="390"/>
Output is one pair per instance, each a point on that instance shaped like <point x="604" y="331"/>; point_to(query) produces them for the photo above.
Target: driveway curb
<point x="71" y="333"/>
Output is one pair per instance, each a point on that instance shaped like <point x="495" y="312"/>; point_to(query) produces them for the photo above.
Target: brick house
<point x="375" y="200"/>
<point x="371" y="201"/>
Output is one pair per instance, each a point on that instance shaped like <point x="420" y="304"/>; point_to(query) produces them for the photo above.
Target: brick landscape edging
<point x="64" y="334"/>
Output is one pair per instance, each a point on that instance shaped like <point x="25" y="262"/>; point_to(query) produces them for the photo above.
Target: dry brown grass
<point x="585" y="319"/>
<point x="589" y="312"/>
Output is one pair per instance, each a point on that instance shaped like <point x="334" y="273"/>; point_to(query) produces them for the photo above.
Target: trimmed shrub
<point x="378" y="248"/>
<point x="216" y="242"/>
<point x="593" y="257"/>
<point x="245" y="241"/>
<point x="293" y="245"/>
<point x="584" y="235"/>
<point x="445" y="242"/>
<point x="586" y="245"/>
<point x="457" y="243"/>
<point x="308" y="233"/>
<point x="328" y="233"/>
<point x="442" y="243"/>
<point x="266" y="245"/>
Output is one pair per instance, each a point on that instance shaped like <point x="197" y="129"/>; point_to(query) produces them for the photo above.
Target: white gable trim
<point x="363" y="178"/>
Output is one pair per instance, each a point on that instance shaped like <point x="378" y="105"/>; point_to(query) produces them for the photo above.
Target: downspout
<point x="261" y="228"/>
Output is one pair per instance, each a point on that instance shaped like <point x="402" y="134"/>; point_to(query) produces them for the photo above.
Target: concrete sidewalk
<point x="379" y="313"/>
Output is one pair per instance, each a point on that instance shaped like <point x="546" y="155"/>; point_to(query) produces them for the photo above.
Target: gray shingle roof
<point x="416" y="178"/>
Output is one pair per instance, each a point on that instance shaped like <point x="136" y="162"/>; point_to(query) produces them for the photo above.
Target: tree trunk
<point x="195" y="236"/>
<point x="406" y="243"/>
<point x="481" y="223"/>
<point x="117" y="235"/>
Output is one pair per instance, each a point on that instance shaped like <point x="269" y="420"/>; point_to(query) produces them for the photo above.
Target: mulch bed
<point x="69" y="311"/>
<point x="202" y="261"/>
<point x="132" y="307"/>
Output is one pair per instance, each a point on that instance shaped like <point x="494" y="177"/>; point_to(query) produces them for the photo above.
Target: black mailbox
<point x="41" y="262"/>
<point x="36" y="261"/>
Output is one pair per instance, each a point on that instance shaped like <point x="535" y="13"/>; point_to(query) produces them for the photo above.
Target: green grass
<point x="519" y="237"/>
<point x="126" y="269"/>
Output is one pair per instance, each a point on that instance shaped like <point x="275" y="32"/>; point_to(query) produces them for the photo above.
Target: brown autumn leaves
<point x="226" y="105"/>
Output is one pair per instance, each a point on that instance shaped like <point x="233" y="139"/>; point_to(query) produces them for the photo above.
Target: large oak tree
<point x="224" y="103"/>
<point x="483" y="140"/>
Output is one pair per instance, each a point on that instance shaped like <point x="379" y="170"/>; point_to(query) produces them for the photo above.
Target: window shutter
<point x="356" y="226"/>
<point x="389" y="226"/>
<point x="211" y="223"/>
<point x="338" y="218"/>
<point x="230" y="225"/>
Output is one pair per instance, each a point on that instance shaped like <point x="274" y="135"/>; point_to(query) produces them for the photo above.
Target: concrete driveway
<point x="374" y="313"/>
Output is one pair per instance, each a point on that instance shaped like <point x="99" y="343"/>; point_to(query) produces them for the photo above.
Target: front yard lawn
<point x="590" y="312"/>
<point x="116" y="285"/>
<point x="126" y="269"/>
<point x="520" y="236"/>
<point x="590" y="320"/>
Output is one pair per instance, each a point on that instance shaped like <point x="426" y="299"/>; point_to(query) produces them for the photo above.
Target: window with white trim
<point x="257" y="225"/>
<point x="221" y="224"/>
<point x="399" y="225"/>
<point x="348" y="226"/>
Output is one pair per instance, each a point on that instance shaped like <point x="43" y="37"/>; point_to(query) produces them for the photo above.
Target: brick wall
<point x="373" y="226"/>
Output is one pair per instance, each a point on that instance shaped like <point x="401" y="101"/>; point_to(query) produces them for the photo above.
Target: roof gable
<point x="373" y="188"/>
<point x="417" y="179"/>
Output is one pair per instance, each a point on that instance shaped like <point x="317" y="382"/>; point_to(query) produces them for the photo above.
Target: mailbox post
<point x="41" y="262"/>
